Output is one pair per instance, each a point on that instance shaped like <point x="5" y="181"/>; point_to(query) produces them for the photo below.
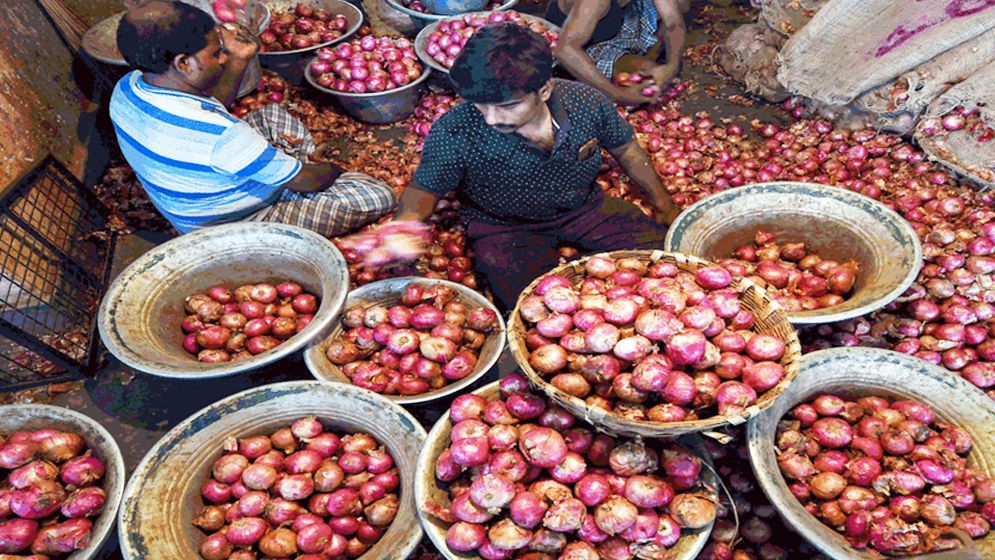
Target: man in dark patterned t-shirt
<point x="522" y="153"/>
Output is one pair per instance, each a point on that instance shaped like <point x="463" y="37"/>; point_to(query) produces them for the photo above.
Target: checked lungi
<point x="636" y="36"/>
<point x="353" y="200"/>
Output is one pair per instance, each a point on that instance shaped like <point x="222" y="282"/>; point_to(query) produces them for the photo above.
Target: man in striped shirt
<point x="199" y="164"/>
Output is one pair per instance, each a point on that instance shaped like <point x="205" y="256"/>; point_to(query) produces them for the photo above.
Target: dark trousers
<point x="510" y="257"/>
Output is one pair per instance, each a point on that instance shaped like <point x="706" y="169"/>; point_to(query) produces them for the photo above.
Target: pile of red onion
<point x="446" y="42"/>
<point x="366" y="65"/>
<point x="428" y="339"/>
<point x="271" y="89"/>
<point x="225" y="325"/>
<point x="525" y="475"/>
<point x="302" y="28"/>
<point x="430" y="107"/>
<point x="885" y="473"/>
<point x="650" y="342"/>
<point x="959" y="119"/>
<point x="302" y="492"/>
<point x="626" y="79"/>
<point x="797" y="278"/>
<point x="51" y="490"/>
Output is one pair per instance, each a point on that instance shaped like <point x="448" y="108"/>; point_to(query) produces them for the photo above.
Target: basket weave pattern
<point x="770" y="320"/>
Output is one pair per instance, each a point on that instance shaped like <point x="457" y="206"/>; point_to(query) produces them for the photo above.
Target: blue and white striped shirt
<point x="197" y="162"/>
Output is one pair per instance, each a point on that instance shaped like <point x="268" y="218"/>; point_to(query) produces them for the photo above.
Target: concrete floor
<point x="138" y="409"/>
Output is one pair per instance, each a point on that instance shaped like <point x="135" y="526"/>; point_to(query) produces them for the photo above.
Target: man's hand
<point x="667" y="214"/>
<point x="631" y="97"/>
<point x="663" y="74"/>
<point x="238" y="42"/>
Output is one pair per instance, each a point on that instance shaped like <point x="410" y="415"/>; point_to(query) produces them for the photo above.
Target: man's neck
<point x="540" y="131"/>
<point x="170" y="81"/>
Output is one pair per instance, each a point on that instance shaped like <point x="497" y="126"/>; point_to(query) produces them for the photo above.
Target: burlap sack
<point x="910" y="94"/>
<point x="851" y="46"/>
<point x="788" y="16"/>
<point x="960" y="150"/>
<point x="749" y="56"/>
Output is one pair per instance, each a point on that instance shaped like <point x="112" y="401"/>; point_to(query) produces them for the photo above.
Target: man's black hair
<point x="501" y="62"/>
<point x="152" y="35"/>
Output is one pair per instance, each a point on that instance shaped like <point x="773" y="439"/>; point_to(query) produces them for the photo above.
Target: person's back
<point x="201" y="165"/>
<point x="197" y="162"/>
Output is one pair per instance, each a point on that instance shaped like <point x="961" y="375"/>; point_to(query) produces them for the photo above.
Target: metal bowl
<point x="770" y="319"/>
<point x="428" y="489"/>
<point x="163" y="495"/>
<point x="422" y="19"/>
<point x="422" y="38"/>
<point x="388" y="292"/>
<point x="140" y="315"/>
<point x="381" y="107"/>
<point x="37" y="416"/>
<point x="858" y="372"/>
<point x="292" y="64"/>
<point x="836" y="223"/>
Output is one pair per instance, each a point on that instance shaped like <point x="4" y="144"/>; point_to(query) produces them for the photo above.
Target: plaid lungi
<point x="636" y="36"/>
<point x="353" y="200"/>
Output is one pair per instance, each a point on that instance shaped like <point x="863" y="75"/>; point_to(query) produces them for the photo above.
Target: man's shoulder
<point x="461" y="120"/>
<point x="577" y="96"/>
<point x="140" y="98"/>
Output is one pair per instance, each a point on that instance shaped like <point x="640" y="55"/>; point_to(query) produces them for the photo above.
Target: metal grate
<point x="55" y="256"/>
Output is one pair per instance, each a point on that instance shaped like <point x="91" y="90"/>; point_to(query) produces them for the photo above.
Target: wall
<point x="42" y="108"/>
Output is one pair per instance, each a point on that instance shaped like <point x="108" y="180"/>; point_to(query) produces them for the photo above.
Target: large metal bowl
<point x="428" y="489"/>
<point x="38" y="416"/>
<point x="836" y="223"/>
<point x="858" y="372"/>
<point x="388" y="292"/>
<point x="422" y="38"/>
<point x="381" y="107"/>
<point x="163" y="495"/>
<point x="140" y="315"/>
<point x="291" y="64"/>
<point x="422" y="19"/>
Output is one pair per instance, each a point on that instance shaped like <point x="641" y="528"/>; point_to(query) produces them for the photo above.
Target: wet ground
<point x="138" y="408"/>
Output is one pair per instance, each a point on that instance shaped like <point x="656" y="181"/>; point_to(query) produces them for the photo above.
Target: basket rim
<point x="180" y="429"/>
<point x="424" y="465"/>
<point x="818" y="316"/>
<point x="313" y="354"/>
<point x="775" y="486"/>
<point x="792" y="354"/>
<point x="116" y="344"/>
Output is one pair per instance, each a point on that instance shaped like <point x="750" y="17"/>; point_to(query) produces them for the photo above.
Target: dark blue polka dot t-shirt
<point x="505" y="179"/>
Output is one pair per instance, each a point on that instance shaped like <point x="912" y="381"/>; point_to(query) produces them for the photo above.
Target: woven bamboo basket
<point x="163" y="495"/>
<point x="770" y="319"/>
<point x="859" y="372"/>
<point x="388" y="292"/>
<point x="428" y="489"/>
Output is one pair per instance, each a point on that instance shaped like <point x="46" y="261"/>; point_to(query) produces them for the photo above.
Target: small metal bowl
<point x="388" y="292"/>
<point x="380" y="107"/>
<point x="422" y="38"/>
<point x="292" y="64"/>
